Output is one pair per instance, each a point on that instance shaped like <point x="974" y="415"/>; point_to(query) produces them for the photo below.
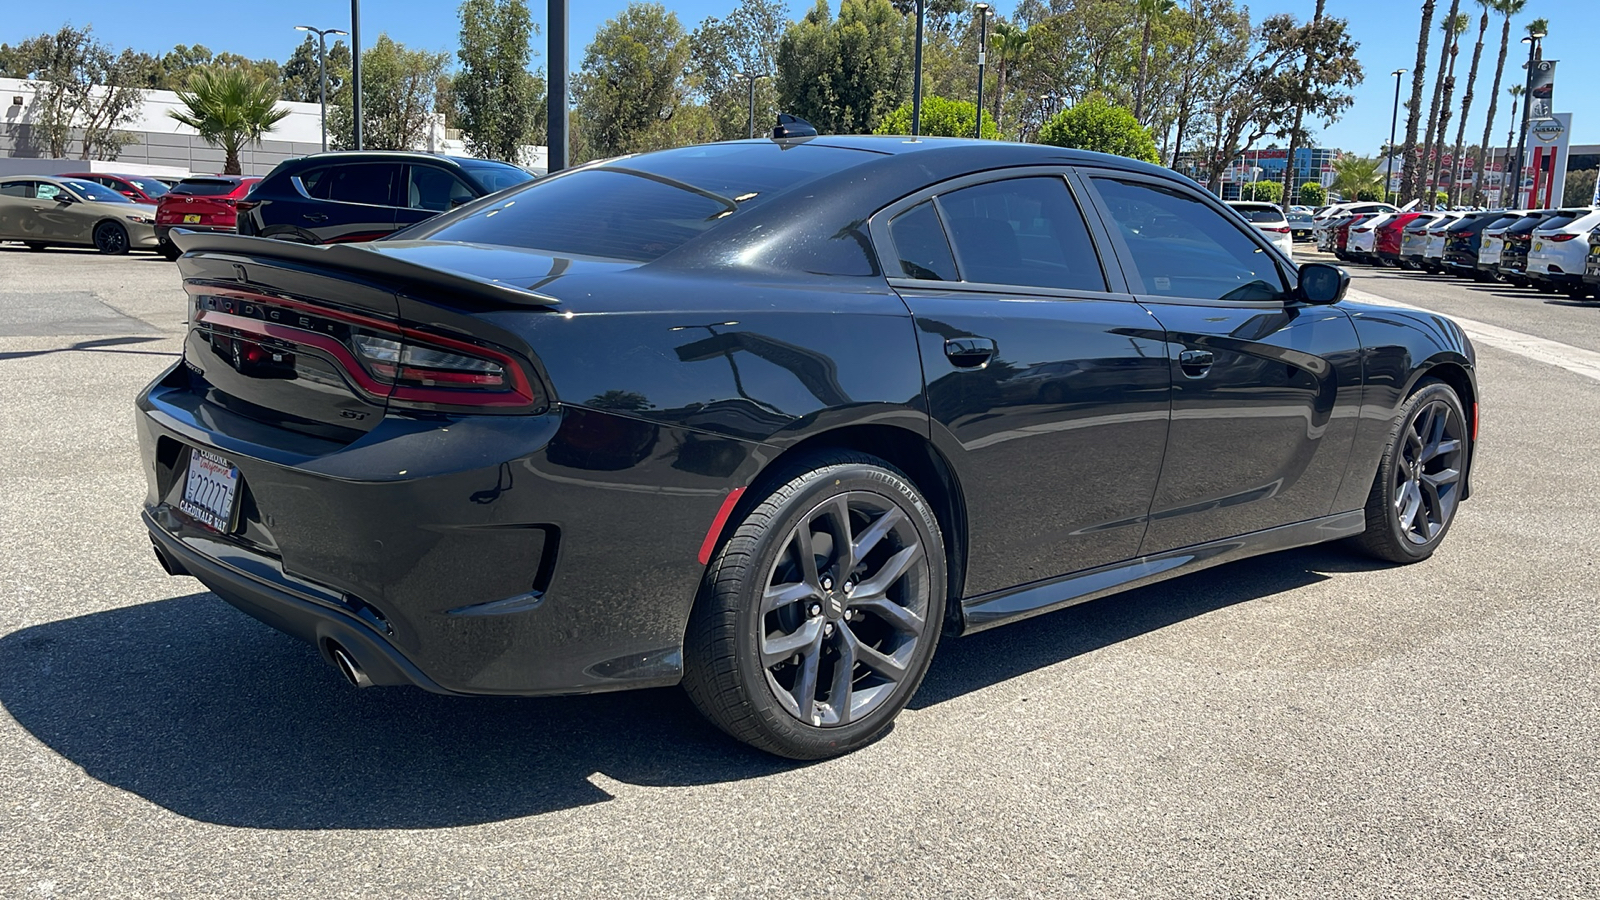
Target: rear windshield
<point x="493" y="176"/>
<point x="1300" y="218"/>
<point x="1505" y="222"/>
<point x="205" y="187"/>
<point x="1260" y="214"/>
<point x="1525" y="225"/>
<point x="150" y="186"/>
<point x="1562" y="219"/>
<point x="641" y="208"/>
<point x="99" y="193"/>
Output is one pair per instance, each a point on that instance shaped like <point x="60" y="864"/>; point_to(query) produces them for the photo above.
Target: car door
<point x="429" y="191"/>
<point x="1265" y="390"/>
<point x="1046" y="383"/>
<point x="361" y="203"/>
<point x="58" y="219"/>
<point x="16" y="207"/>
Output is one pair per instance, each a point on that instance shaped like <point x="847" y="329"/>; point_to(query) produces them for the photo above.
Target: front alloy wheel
<point x="111" y="238"/>
<point x="1420" y="479"/>
<point x="821" y="611"/>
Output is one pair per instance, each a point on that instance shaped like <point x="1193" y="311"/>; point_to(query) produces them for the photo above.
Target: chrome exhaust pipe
<point x="347" y="667"/>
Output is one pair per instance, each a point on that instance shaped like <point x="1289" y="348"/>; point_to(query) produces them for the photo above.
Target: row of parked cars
<point x="1549" y="250"/>
<point x="318" y="199"/>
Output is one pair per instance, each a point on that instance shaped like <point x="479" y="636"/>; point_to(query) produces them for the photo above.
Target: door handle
<point x="969" y="352"/>
<point x="1195" y="363"/>
<point x="315" y="217"/>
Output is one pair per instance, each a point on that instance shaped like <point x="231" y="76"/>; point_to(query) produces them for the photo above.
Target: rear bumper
<point x="163" y="231"/>
<point x="466" y="555"/>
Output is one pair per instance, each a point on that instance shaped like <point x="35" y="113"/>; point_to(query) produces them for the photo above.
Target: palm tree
<point x="229" y="109"/>
<point x="1507" y="9"/>
<point x="1009" y="43"/>
<point x="1149" y="10"/>
<point x="1453" y="29"/>
<point x="1355" y="175"/>
<point x="1426" y="164"/>
<point x="1466" y="103"/>
<point x="1414" y="108"/>
<point x="1516" y="91"/>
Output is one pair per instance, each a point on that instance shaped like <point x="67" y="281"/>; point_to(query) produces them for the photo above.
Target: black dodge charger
<point x="768" y="418"/>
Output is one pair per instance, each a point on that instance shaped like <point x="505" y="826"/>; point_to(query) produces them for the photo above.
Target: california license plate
<point x="191" y="219"/>
<point x="210" y="490"/>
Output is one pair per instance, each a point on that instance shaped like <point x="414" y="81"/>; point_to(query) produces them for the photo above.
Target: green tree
<point x="1008" y="47"/>
<point x="398" y="89"/>
<point x="302" y="77"/>
<point x="844" y="75"/>
<point x="941" y="117"/>
<point x="1149" y="11"/>
<point x="230" y="109"/>
<point x="1099" y="125"/>
<point x="499" y="104"/>
<point x="1322" y="90"/>
<point x="74" y="64"/>
<point x="1354" y="175"/>
<point x="1313" y="194"/>
<point x="632" y="82"/>
<point x="724" y="51"/>
<point x="1579" y="187"/>
<point x="1264" y="191"/>
<point x="1506" y="9"/>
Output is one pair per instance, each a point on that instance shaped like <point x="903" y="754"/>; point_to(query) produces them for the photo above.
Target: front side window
<point x="47" y="191"/>
<point x="1182" y="247"/>
<point x="1024" y="231"/>
<point x="920" y="243"/>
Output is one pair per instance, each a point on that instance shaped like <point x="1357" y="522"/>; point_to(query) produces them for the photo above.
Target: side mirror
<point x="66" y="199"/>
<point x="1322" y="284"/>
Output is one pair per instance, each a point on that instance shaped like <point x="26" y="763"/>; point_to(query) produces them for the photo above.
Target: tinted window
<point x="150" y="186"/>
<point x="1025" y="231"/>
<point x="1561" y="220"/>
<point x="1183" y="247"/>
<point x="1525" y="225"/>
<point x="432" y="188"/>
<point x="17" y="189"/>
<point x="1257" y="214"/>
<point x="99" y="193"/>
<point x="920" y="242"/>
<point x="205" y="187"/>
<point x="493" y="177"/>
<point x="370" y="183"/>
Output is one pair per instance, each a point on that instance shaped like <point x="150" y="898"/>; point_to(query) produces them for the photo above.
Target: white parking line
<point x="1574" y="359"/>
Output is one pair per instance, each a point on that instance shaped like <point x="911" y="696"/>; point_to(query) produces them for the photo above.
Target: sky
<point x="1386" y="30"/>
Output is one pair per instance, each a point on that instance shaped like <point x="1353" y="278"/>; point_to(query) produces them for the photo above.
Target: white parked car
<point x="1269" y="220"/>
<point x="1560" y="249"/>
<point x="1363" y="241"/>
<point x="1433" y="253"/>
<point x="1326" y="222"/>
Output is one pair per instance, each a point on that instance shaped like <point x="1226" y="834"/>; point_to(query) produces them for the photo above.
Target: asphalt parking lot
<point x="1309" y="724"/>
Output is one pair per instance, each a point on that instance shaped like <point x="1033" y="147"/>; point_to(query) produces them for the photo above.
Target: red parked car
<point x="138" y="188"/>
<point x="1389" y="236"/>
<point x="201" y="203"/>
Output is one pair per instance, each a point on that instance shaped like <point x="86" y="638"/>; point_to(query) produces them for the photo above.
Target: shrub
<point x="1264" y="191"/>
<point x="1100" y="125"/>
<point x="941" y="117"/>
<point x="1313" y="195"/>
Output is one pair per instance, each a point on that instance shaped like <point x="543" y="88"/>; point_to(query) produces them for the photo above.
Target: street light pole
<point x="983" y="47"/>
<point x="355" y="69"/>
<point x="1532" y="41"/>
<point x="751" y="81"/>
<point x="1394" y="118"/>
<point x="322" y="71"/>
<point x="916" y="77"/>
<point x="556" y="112"/>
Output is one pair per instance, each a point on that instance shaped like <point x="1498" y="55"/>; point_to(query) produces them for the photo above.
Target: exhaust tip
<point x="168" y="565"/>
<point x="347" y="667"/>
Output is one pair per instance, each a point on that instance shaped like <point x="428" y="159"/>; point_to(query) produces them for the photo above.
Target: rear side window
<point x="205" y="187"/>
<point x="1183" y="247"/>
<point x="1257" y="214"/>
<point x="17" y="189"/>
<point x="369" y="183"/>
<point x="921" y="245"/>
<point x="1024" y="231"/>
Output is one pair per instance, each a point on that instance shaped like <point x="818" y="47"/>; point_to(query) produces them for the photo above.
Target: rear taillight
<point x="1560" y="238"/>
<point x="1362" y="230"/>
<point x="408" y="367"/>
<point x="246" y="205"/>
<point x="1282" y="230"/>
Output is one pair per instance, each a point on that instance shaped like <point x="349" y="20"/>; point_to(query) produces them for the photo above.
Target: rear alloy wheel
<point x="819" y="615"/>
<point x="1420" y="479"/>
<point x="111" y="238"/>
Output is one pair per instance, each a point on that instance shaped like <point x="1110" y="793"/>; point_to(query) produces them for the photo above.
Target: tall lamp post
<point x="355" y="69"/>
<point x="1394" y="118"/>
<point x="983" y="47"/>
<point x="750" y="81"/>
<point x="1532" y="41"/>
<point x="916" y="77"/>
<point x="556" y="111"/>
<point x="322" y="69"/>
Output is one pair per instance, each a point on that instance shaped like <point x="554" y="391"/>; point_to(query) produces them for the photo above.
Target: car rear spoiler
<point x="362" y="260"/>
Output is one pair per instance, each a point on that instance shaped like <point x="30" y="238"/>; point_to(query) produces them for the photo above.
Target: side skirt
<point x="985" y="611"/>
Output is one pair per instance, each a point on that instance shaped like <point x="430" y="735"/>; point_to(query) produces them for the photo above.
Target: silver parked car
<point x="42" y="211"/>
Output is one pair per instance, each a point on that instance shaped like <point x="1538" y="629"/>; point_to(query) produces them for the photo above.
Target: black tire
<point x="37" y="246"/>
<point x="111" y="238"/>
<point x="772" y="702"/>
<point x="1404" y="477"/>
<point x="169" y="251"/>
